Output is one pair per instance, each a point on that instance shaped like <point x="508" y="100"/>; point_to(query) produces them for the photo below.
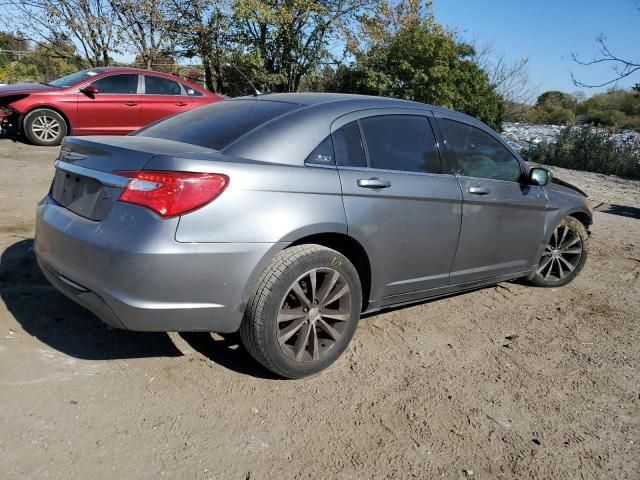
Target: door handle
<point x="373" y="183"/>
<point x="181" y="104"/>
<point x="131" y="104"/>
<point x="479" y="190"/>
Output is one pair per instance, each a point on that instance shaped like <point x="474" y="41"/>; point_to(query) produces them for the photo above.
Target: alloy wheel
<point x="562" y="255"/>
<point x="45" y="128"/>
<point x="314" y="314"/>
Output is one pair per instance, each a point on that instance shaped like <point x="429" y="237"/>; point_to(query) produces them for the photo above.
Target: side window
<point x="478" y="154"/>
<point x="401" y="142"/>
<point x="322" y="154"/>
<point x="192" y="92"/>
<point x="348" y="146"/>
<point x="161" y="86"/>
<point x="118" y="84"/>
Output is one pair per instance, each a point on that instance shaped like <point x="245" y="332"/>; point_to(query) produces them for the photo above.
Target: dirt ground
<point x="504" y="382"/>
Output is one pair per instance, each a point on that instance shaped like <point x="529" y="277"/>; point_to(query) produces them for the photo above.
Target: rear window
<point x="219" y="124"/>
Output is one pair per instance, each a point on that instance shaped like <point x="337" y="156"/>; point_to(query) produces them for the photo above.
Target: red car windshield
<point x="74" y="78"/>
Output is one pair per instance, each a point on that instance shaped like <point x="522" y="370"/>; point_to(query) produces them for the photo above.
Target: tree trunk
<point x="208" y="74"/>
<point x="219" y="78"/>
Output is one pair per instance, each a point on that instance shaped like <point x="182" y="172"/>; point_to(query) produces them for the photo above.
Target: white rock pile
<point x="521" y="135"/>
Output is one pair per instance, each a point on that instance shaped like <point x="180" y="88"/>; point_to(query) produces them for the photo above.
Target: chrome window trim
<point x="401" y="172"/>
<point x="105" y="178"/>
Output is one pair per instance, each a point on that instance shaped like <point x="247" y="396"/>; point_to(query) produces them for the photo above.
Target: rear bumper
<point x="130" y="272"/>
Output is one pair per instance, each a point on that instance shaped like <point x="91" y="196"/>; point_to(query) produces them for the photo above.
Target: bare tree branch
<point x="621" y="68"/>
<point x="87" y="25"/>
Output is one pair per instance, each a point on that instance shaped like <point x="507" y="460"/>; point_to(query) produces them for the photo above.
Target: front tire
<point x="45" y="127"/>
<point x="564" y="256"/>
<point x="304" y="312"/>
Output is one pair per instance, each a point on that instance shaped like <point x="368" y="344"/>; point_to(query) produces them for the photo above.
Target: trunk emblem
<point x="69" y="155"/>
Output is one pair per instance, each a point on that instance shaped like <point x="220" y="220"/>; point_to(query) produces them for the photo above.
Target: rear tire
<point x="304" y="312"/>
<point x="564" y="256"/>
<point x="45" y="127"/>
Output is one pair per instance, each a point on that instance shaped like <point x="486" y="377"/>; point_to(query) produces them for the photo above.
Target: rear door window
<point x="161" y="86"/>
<point x="401" y="142"/>
<point x="478" y="154"/>
<point x="117" y="84"/>
<point x="219" y="124"/>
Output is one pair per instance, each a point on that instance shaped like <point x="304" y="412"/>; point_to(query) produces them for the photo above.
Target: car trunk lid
<point x="86" y="180"/>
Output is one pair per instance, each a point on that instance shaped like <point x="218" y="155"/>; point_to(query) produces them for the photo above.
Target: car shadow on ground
<point x="14" y="137"/>
<point x="227" y="350"/>
<point x="620" y="210"/>
<point x="65" y="326"/>
<point x="58" y="322"/>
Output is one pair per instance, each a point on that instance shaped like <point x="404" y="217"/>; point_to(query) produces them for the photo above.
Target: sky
<point x="548" y="32"/>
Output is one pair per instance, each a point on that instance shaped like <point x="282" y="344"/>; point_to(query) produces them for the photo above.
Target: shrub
<point x="606" y="118"/>
<point x="587" y="149"/>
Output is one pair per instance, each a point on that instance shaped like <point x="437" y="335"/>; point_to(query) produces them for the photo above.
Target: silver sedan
<point x="287" y="216"/>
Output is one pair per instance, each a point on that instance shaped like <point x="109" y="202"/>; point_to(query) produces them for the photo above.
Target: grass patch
<point x="588" y="149"/>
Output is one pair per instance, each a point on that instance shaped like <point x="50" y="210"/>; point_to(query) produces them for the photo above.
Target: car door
<point x="161" y="98"/>
<point x="114" y="110"/>
<point x="399" y="204"/>
<point x="502" y="214"/>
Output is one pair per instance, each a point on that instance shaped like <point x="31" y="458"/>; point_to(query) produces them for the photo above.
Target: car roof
<point x="128" y="69"/>
<point x="364" y="101"/>
<point x="171" y="76"/>
<point x="311" y="122"/>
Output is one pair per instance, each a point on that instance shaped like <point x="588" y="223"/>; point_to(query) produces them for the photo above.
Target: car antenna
<point x="256" y="92"/>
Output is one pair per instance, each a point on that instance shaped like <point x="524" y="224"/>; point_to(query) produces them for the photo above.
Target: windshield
<point x="74" y="78"/>
<point x="219" y="124"/>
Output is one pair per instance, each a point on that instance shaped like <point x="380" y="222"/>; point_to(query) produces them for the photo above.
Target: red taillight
<point x="172" y="193"/>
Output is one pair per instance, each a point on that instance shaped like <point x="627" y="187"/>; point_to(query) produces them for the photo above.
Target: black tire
<point x="261" y="330"/>
<point x="45" y="127"/>
<point x="545" y="276"/>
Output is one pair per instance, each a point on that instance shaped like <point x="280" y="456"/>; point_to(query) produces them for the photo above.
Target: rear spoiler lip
<point x="105" y="178"/>
<point x="135" y="143"/>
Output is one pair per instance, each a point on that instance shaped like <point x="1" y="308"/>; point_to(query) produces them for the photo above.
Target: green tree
<point x="13" y="43"/>
<point x="50" y="63"/>
<point x="422" y="61"/>
<point x="16" y="72"/>
<point x="204" y="29"/>
<point x="553" y="107"/>
<point x="554" y="99"/>
<point x="294" y="37"/>
<point x="614" y="108"/>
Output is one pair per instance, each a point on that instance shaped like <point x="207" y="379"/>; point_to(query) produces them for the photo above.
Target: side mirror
<point x="539" y="176"/>
<point x="90" y="90"/>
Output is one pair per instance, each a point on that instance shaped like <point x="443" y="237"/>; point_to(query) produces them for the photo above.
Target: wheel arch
<point x="582" y="217"/>
<point x="47" y="107"/>
<point x="350" y="248"/>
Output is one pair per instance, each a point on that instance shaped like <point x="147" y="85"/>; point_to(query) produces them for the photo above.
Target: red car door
<point x="162" y="97"/>
<point x="113" y="110"/>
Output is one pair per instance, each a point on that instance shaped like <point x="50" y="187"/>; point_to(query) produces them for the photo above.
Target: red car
<point x="99" y="101"/>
